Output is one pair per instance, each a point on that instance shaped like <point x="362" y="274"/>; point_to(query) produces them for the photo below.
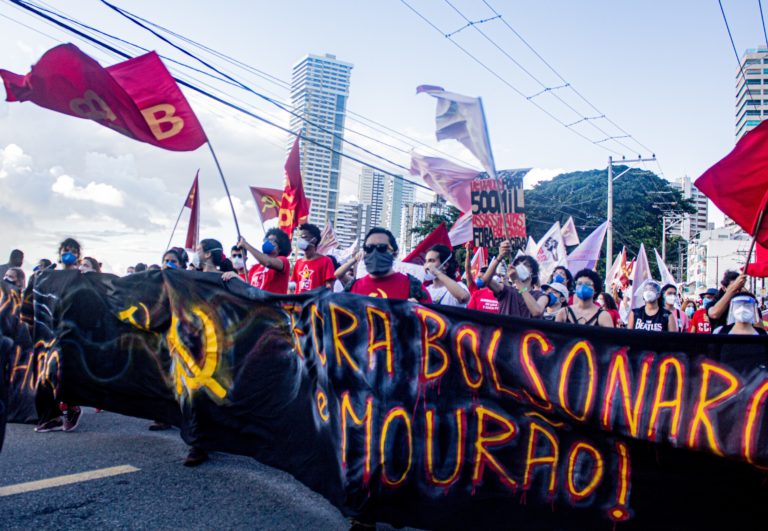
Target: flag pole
<point x="174" y="227"/>
<point x="756" y="231"/>
<point x="226" y="188"/>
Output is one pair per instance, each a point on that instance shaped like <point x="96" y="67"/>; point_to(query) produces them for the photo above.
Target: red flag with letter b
<point x="137" y="98"/>
<point x="294" y="207"/>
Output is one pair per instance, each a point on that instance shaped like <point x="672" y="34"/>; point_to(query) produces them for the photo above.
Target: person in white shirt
<point x="440" y="268"/>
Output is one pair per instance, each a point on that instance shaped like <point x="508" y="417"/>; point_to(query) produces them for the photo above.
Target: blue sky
<point x="663" y="71"/>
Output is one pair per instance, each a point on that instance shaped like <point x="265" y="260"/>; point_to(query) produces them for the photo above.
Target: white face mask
<point x="302" y="244"/>
<point x="195" y="259"/>
<point x="650" y="296"/>
<point x="744" y="314"/>
<point x="522" y="272"/>
<point x="238" y="262"/>
<point x="670" y="299"/>
<point x="429" y="276"/>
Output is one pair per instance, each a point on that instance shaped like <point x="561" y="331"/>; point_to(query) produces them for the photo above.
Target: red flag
<point x="193" y="203"/>
<point x="294" y="207"/>
<point x="738" y="183"/>
<point x="479" y="261"/>
<point x="759" y="268"/>
<point x="267" y="202"/>
<point x="419" y="254"/>
<point x="137" y="98"/>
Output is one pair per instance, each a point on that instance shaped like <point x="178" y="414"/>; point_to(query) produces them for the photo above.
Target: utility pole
<point x="609" y="216"/>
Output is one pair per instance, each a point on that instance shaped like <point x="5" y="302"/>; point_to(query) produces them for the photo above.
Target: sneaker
<point x="72" y="418"/>
<point x="49" y="425"/>
<point x="195" y="457"/>
<point x="159" y="426"/>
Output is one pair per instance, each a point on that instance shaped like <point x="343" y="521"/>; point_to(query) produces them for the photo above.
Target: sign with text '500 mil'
<point x="488" y="204"/>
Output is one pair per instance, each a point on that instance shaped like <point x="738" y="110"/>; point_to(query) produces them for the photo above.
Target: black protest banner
<point x="488" y="203"/>
<point x="422" y="415"/>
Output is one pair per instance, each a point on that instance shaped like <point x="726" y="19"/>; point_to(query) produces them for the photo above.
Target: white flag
<point x="665" y="276"/>
<point x="640" y="273"/>
<point x="613" y="275"/>
<point x="462" y="118"/>
<point x="446" y="179"/>
<point x="551" y="252"/>
<point x="328" y="241"/>
<point x="530" y="247"/>
<point x="570" y="236"/>
<point x="461" y="232"/>
<point x="586" y="255"/>
<point x="345" y="254"/>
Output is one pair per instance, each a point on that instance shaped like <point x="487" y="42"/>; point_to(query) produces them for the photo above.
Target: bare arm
<point x="605" y="320"/>
<point x="721" y="308"/>
<point x="672" y="325"/>
<point x="346" y="266"/>
<point x="495" y="287"/>
<point x="264" y="259"/>
<point x="631" y="320"/>
<point x="561" y="316"/>
<point x="468" y="266"/>
<point x="535" y="306"/>
<point x="459" y="293"/>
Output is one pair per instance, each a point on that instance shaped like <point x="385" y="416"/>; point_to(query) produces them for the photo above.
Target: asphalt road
<point x="227" y="492"/>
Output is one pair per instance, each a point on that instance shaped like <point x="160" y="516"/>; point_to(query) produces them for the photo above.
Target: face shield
<point x="743" y="309"/>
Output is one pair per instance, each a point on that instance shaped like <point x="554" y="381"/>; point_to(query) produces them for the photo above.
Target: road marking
<point x="59" y="481"/>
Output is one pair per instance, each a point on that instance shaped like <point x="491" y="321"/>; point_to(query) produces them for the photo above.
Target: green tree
<point x="640" y="199"/>
<point x="449" y="216"/>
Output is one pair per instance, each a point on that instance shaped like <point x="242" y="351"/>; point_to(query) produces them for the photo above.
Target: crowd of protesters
<point x="507" y="286"/>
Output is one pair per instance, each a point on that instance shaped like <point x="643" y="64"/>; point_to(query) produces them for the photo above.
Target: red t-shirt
<point x="484" y="300"/>
<point x="700" y="322"/>
<point x="394" y="286"/>
<point x="269" y="279"/>
<point x="311" y="274"/>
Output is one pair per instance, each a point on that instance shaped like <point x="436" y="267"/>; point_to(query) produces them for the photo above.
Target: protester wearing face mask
<point x="742" y="317"/>
<point x="518" y="296"/>
<point x="48" y="408"/>
<point x="314" y="270"/>
<point x="175" y="258"/>
<point x="584" y="311"/>
<point x="440" y="268"/>
<point x="558" y="299"/>
<point x="483" y="298"/>
<point x="699" y="323"/>
<point x="652" y="316"/>
<point x="671" y="303"/>
<point x="15" y="278"/>
<point x="608" y="303"/>
<point x="272" y="269"/>
<point x="210" y="258"/>
<point x="731" y="284"/>
<point x="379" y="252"/>
<point x="562" y="275"/>
<point x="69" y="253"/>
<point x="238" y="255"/>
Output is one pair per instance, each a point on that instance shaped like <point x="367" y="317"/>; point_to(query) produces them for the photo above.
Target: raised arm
<point x="264" y="259"/>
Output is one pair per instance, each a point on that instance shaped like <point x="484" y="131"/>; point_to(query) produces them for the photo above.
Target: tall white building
<point x="319" y="93"/>
<point x="693" y="224"/>
<point x="751" y="107"/>
<point x="387" y="196"/>
<point x="352" y="223"/>
<point x="711" y="254"/>
<point x="413" y="214"/>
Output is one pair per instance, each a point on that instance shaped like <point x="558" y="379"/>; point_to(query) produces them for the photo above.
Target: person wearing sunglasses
<point x="584" y="311"/>
<point x="379" y="252"/>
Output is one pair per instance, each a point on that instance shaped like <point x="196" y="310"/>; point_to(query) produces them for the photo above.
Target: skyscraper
<point x="319" y="93"/>
<point x="352" y="223"/>
<point x="386" y="196"/>
<point x="751" y="108"/>
<point x="693" y="224"/>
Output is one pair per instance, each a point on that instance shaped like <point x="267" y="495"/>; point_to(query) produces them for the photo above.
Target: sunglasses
<point x="380" y="247"/>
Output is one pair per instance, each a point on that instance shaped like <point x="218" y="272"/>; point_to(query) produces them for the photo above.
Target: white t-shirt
<point x="442" y="296"/>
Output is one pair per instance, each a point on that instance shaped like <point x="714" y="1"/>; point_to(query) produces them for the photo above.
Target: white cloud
<point x="222" y="209"/>
<point x="537" y="175"/>
<point x="104" y="194"/>
<point x="14" y="161"/>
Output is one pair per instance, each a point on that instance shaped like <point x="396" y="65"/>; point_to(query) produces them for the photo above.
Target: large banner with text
<point x="418" y="415"/>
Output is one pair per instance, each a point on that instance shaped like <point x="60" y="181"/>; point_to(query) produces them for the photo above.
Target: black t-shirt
<point x="723" y="319"/>
<point x="652" y="323"/>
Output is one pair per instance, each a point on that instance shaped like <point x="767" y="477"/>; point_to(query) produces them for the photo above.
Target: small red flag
<point x="137" y="98"/>
<point x="193" y="203"/>
<point x="294" y="206"/>
<point x="419" y="254"/>
<point x="267" y="202"/>
<point x="738" y="184"/>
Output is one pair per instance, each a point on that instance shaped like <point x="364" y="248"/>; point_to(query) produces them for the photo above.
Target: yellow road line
<point x="59" y="481"/>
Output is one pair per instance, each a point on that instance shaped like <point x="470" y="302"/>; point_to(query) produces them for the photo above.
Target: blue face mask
<point x="267" y="247"/>
<point x="585" y="292"/>
<point x="707" y="303"/>
<point x="171" y="265"/>
<point x="552" y="299"/>
<point x="559" y="279"/>
<point x="68" y="258"/>
<point x="479" y="282"/>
